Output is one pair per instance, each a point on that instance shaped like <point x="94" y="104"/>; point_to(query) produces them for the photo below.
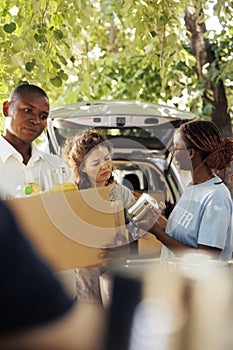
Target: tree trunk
<point x="200" y="47"/>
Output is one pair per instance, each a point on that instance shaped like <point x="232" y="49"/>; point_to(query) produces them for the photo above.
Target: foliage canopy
<point x="113" y="49"/>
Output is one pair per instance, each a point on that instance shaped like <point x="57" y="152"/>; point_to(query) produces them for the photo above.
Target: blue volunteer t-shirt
<point x="203" y="215"/>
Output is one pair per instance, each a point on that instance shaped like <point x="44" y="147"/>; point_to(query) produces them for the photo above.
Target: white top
<point x="14" y="172"/>
<point x="122" y="193"/>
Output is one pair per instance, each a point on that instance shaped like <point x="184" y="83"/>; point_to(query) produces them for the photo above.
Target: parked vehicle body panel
<point x="141" y="134"/>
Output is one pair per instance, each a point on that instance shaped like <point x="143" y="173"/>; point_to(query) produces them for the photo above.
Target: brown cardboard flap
<point x="68" y="229"/>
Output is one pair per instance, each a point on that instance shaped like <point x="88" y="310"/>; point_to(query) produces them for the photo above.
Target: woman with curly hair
<point x="201" y="221"/>
<point x="89" y="156"/>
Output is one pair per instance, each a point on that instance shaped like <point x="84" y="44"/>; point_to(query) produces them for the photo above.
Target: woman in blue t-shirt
<point x="201" y="221"/>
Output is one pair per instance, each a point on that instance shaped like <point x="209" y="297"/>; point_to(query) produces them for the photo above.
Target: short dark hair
<point x="25" y="88"/>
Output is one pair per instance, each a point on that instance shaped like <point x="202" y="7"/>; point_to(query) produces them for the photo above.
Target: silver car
<point x="141" y="134"/>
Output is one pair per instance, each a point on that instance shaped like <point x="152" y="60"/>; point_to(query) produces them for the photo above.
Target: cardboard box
<point x="68" y="229"/>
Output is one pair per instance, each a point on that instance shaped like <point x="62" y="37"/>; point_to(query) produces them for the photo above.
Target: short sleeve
<point x="213" y="230"/>
<point x="124" y="194"/>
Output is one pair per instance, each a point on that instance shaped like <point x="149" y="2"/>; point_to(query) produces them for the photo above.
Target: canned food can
<point x="139" y="209"/>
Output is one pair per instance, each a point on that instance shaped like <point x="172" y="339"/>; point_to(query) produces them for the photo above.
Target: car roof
<point x="119" y="108"/>
<point x="129" y="124"/>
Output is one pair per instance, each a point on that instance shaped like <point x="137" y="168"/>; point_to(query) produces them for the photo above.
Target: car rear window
<point x="156" y="137"/>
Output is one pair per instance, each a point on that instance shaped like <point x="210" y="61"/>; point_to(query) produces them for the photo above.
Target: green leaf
<point x="58" y="18"/>
<point x="144" y="46"/>
<point x="42" y="29"/>
<point x="19" y="45"/>
<point x="57" y="81"/>
<point x="55" y="64"/>
<point x="207" y="109"/>
<point x="9" y="28"/>
<point x="153" y="33"/>
<point x="39" y="38"/>
<point x="63" y="75"/>
<point x="62" y="59"/>
<point x="58" y="34"/>
<point x="30" y="65"/>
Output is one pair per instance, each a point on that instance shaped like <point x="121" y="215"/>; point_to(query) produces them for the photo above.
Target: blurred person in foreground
<point x="89" y="156"/>
<point x="35" y="311"/>
<point x="202" y="219"/>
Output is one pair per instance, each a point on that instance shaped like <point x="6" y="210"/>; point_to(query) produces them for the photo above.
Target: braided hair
<point x="205" y="137"/>
<point x="77" y="147"/>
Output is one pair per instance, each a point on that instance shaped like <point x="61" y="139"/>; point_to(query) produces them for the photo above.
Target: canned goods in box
<point x="138" y="209"/>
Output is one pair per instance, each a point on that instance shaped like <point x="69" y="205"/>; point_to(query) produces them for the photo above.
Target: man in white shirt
<point x="26" y="113"/>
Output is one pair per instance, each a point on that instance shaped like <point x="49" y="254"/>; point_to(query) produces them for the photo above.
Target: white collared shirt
<point x="14" y="172"/>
